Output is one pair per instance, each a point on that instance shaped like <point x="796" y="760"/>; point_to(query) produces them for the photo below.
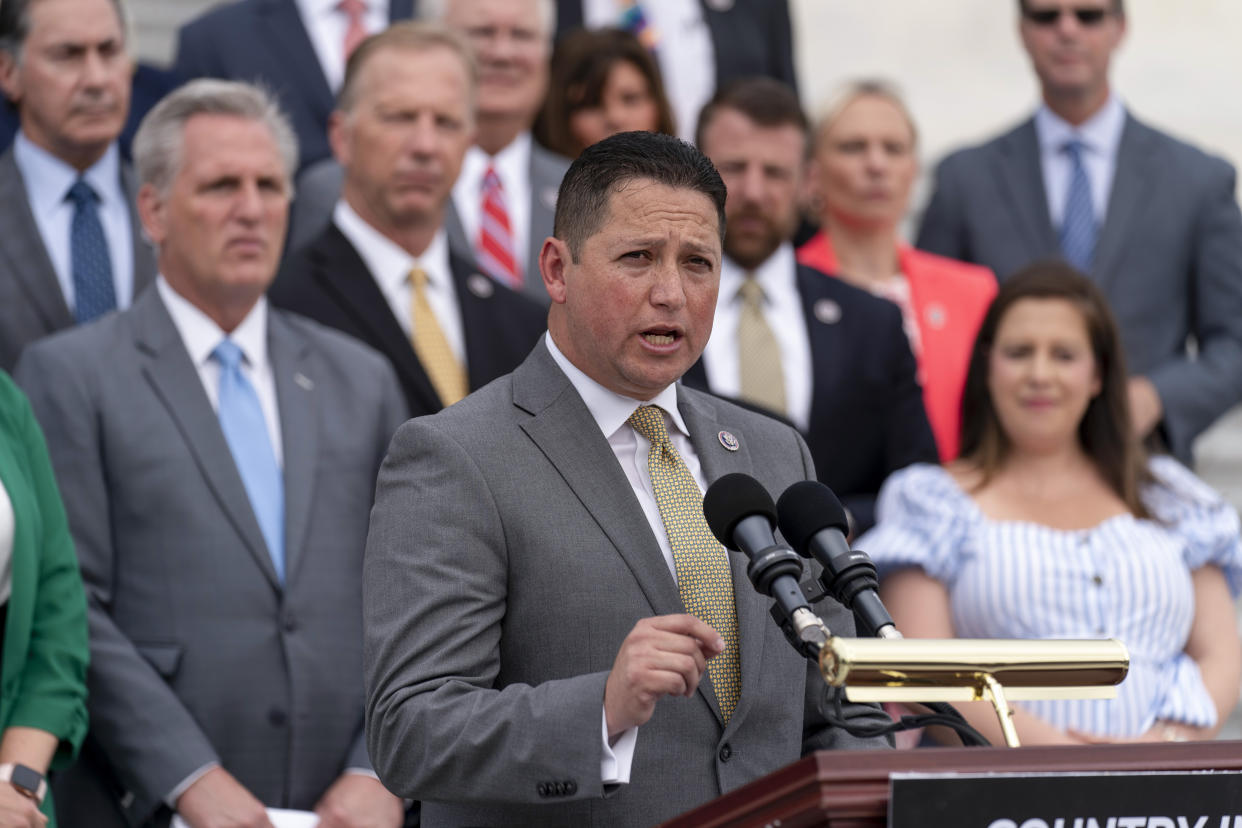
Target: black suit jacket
<point x="750" y="37"/>
<point x="328" y="281"/>
<point x="265" y="40"/>
<point x="867" y="418"/>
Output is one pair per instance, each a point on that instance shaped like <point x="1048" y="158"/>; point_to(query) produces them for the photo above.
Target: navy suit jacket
<point x="750" y="37"/>
<point x="867" y="417"/>
<point x="265" y="40"/>
<point x="329" y="282"/>
<point x="1168" y="257"/>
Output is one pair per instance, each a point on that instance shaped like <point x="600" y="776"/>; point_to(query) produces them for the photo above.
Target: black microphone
<point x="741" y="515"/>
<point x="815" y="523"/>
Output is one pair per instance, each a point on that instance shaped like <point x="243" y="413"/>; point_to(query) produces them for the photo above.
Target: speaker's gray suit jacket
<point x="507" y="560"/>
<point x="1169" y="256"/>
<point x="32" y="305"/>
<point x="319" y="187"/>
<point x="198" y="654"/>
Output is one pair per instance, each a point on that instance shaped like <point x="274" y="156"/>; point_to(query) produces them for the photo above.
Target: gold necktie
<point x="431" y="346"/>
<point x="759" y="357"/>
<point x="702" y="564"/>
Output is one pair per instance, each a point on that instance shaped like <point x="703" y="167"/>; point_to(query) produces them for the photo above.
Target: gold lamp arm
<point x="964" y="669"/>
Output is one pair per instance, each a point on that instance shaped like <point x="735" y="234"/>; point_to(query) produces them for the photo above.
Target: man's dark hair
<point x="1119" y="7"/>
<point x="766" y="101"/>
<point x="604" y="168"/>
<point x="15" y="24"/>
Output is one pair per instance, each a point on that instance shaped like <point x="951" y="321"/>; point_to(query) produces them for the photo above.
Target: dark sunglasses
<point x="1048" y="17"/>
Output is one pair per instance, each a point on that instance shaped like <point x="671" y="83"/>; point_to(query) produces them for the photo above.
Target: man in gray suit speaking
<point x="551" y="639"/>
<point x="1152" y="220"/>
<point x="217" y="460"/>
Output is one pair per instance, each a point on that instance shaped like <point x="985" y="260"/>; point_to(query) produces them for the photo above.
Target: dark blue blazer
<point x="751" y="37"/>
<point x="265" y="40"/>
<point x="867" y="417"/>
<point x="329" y="282"/>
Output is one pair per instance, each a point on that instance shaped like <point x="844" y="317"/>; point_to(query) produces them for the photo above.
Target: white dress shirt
<point x="47" y="180"/>
<point x="782" y="308"/>
<point x="326" y="25"/>
<point x="390" y="267"/>
<point x="684" y="51"/>
<point x="201" y="335"/>
<point x="1100" y="135"/>
<point x="611" y="411"/>
<point x="512" y="165"/>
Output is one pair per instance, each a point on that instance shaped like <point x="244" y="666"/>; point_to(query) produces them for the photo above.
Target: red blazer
<point x="950" y="299"/>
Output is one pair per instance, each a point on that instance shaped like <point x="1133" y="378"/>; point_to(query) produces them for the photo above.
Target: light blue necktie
<point x="245" y="429"/>
<point x="93" y="292"/>
<point x="1078" y="229"/>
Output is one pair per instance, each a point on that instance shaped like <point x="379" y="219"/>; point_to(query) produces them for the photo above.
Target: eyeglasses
<point x="1049" y="17"/>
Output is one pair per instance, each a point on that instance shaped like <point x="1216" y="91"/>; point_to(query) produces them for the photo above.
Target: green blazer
<point x="43" y="671"/>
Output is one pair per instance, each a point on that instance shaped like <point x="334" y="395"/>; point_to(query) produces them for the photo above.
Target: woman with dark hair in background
<point x="42" y="621"/>
<point x="602" y="82"/>
<point x="1053" y="524"/>
<point x="864" y="162"/>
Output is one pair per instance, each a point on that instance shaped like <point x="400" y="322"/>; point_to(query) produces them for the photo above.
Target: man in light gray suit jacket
<point x="217" y="460"/>
<point x="536" y="651"/>
<point x="71" y="113"/>
<point x="1160" y="232"/>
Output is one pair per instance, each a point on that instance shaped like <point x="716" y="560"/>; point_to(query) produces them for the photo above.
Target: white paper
<point x="280" y="817"/>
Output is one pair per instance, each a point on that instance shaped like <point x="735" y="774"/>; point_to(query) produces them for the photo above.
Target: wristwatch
<point x="28" y="781"/>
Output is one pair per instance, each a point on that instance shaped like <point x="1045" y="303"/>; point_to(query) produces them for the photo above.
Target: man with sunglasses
<point x="1152" y="220"/>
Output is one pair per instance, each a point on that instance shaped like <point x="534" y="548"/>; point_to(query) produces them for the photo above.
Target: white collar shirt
<point x="1100" y="136"/>
<point x="200" y="335"/>
<point x="782" y="308"/>
<point x="684" y="51"/>
<point x="47" y="180"/>
<point x="326" y="26"/>
<point x="512" y="166"/>
<point x="390" y="267"/>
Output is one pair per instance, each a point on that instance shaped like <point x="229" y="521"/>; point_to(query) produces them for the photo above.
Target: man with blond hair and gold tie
<point x="382" y="270"/>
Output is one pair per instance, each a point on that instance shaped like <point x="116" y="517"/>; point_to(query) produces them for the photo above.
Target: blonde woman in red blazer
<point x="864" y="165"/>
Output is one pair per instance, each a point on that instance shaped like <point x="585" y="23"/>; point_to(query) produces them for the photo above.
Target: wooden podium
<point x="850" y="789"/>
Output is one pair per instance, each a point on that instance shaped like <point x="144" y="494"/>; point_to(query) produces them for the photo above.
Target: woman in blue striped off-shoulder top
<point x="1055" y="524"/>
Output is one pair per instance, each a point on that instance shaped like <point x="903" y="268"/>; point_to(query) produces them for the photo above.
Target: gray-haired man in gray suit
<point x="536" y="649"/>
<point x="217" y="460"/>
<point x="1152" y="220"/>
<point x="72" y="248"/>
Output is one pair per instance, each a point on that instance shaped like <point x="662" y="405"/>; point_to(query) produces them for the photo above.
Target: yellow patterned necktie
<point x="759" y="355"/>
<point x="702" y="564"/>
<point x="431" y="346"/>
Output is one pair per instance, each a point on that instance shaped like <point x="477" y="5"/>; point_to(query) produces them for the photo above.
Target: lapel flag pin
<point x="480" y="285"/>
<point x="827" y="311"/>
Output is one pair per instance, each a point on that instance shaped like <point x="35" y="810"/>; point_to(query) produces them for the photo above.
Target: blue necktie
<point x="1078" y="222"/>
<point x="245" y="429"/>
<point x="94" y="294"/>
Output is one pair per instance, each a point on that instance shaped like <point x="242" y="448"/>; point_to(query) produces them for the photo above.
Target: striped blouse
<point x="1125" y="578"/>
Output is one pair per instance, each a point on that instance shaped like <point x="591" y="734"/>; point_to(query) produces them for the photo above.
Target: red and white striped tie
<point x="495" y="247"/>
<point x="355" y="12"/>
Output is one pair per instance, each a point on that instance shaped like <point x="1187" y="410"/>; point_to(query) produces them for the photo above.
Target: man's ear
<point x="554" y="261"/>
<point x="151" y="214"/>
<point x="9" y="81"/>
<point x="337" y="136"/>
